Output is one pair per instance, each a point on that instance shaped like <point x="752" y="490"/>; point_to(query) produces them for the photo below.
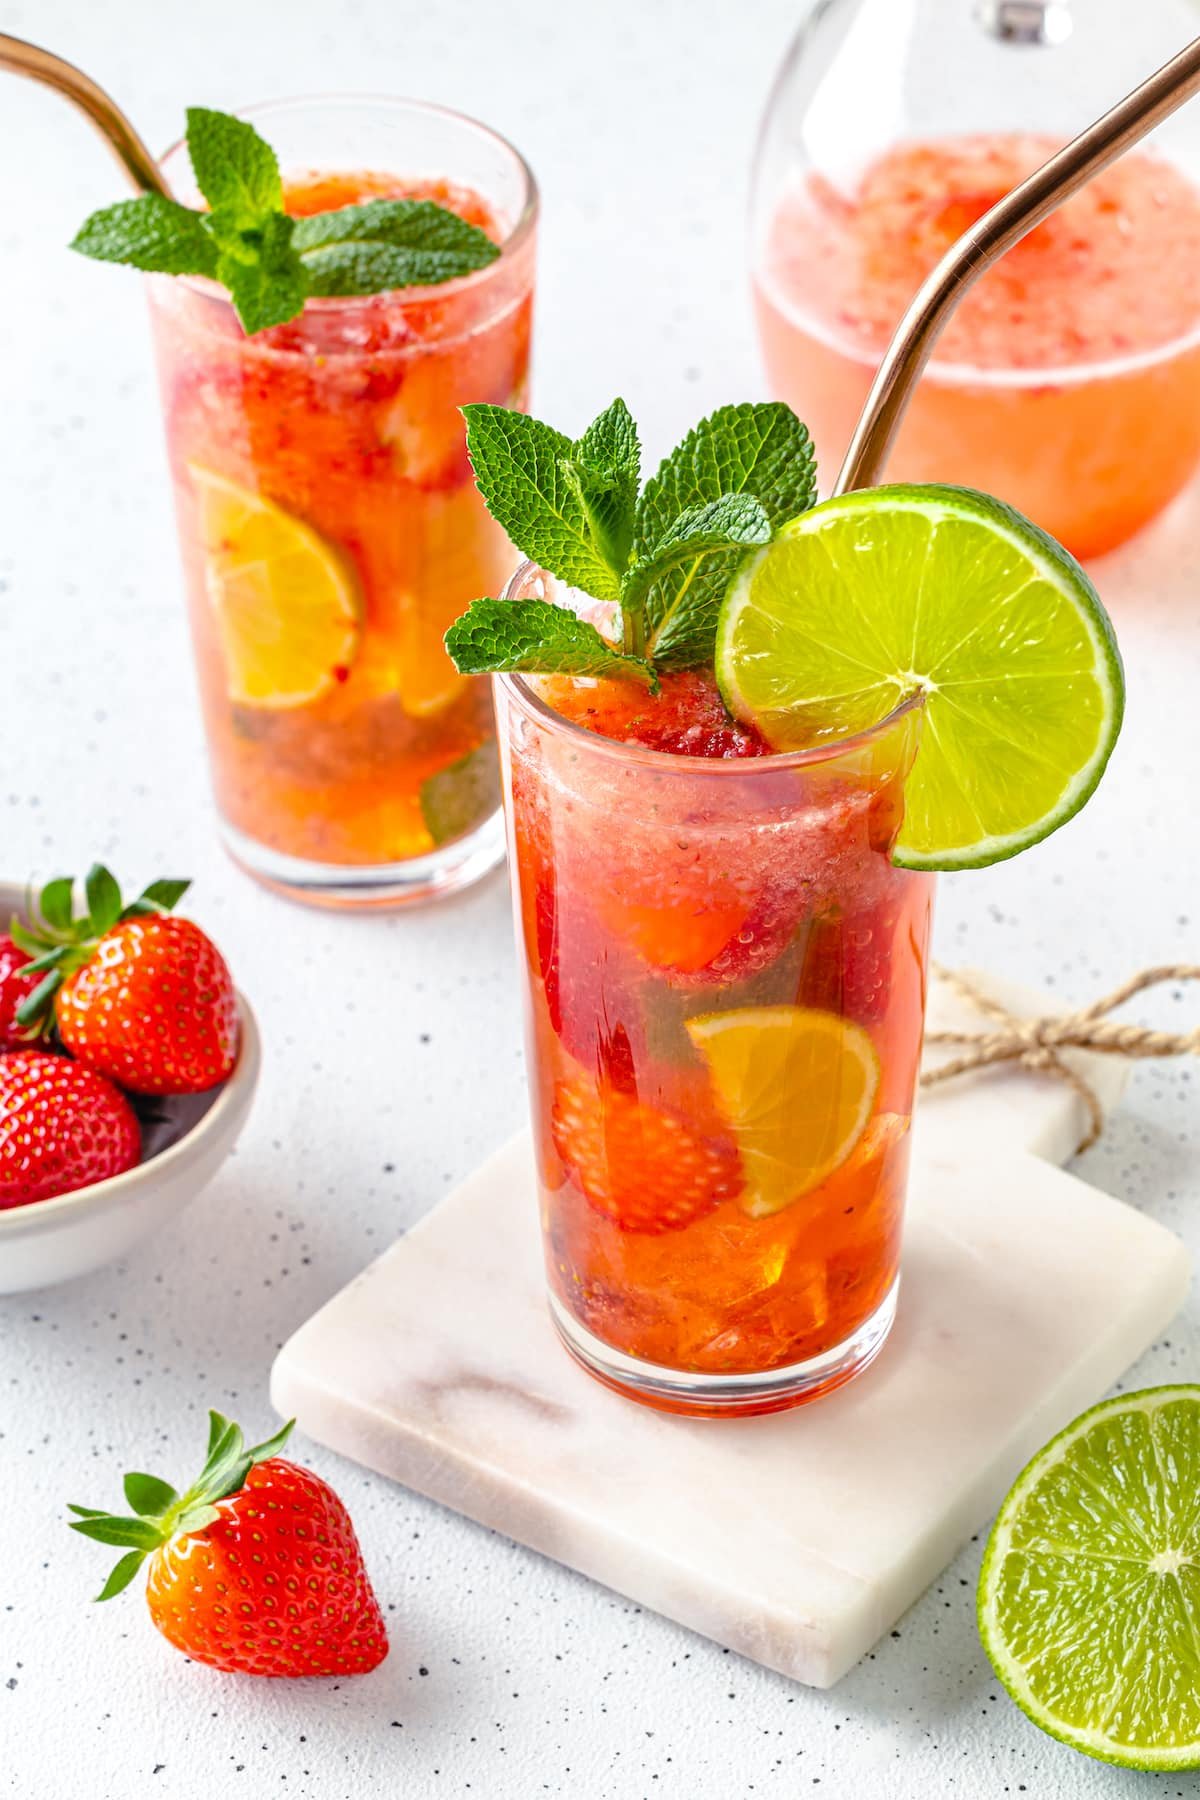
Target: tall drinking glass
<point x="330" y="527"/>
<point x="725" y="989"/>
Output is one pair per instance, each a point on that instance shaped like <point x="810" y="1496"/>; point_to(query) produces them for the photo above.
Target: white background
<point x="392" y="1054"/>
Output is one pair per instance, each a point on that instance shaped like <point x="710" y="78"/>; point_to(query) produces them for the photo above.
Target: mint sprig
<point x="59" y="941"/>
<point x="665" y="557"/>
<point x="269" y="262"/>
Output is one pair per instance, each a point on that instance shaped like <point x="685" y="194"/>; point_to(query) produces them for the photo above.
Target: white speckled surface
<point x="509" y="1678"/>
<point x="797" y="1540"/>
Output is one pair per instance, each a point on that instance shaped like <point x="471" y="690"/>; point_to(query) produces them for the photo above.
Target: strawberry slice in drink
<point x="645" y="1168"/>
<point x="589" y="989"/>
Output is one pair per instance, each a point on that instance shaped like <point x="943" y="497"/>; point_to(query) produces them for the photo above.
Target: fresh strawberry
<point x="16" y="985"/>
<point x="62" y="1127"/>
<point x="139" y="996"/>
<point x="154" y="1009"/>
<point x="644" y="1168"/>
<point x="255" y="1569"/>
<point x="686" y="718"/>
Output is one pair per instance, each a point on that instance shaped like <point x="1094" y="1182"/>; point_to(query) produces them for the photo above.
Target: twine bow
<point x="1037" y="1043"/>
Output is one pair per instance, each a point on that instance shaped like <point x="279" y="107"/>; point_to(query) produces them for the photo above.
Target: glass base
<point x="362" y="886"/>
<point x="728" y="1396"/>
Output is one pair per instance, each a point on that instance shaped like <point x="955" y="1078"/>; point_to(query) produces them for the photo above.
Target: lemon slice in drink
<point x="286" y="602"/>
<point x="951" y="594"/>
<point x="797" y="1087"/>
<point x="1089" y="1597"/>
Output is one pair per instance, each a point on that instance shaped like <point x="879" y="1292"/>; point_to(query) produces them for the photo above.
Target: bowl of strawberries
<point x="128" y="1062"/>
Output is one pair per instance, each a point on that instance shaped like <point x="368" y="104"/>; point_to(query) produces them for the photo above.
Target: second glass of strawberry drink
<point x="329" y="524"/>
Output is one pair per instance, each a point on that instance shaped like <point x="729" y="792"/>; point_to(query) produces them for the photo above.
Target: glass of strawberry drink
<point x="725" y="984"/>
<point x="329" y="525"/>
<point x="739" y="732"/>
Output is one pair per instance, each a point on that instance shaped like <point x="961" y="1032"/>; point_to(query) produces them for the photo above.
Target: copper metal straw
<point x="988" y="239"/>
<point x="37" y="64"/>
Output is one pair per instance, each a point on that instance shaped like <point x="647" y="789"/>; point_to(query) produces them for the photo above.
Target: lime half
<point x="948" y="593"/>
<point x="1089" y="1599"/>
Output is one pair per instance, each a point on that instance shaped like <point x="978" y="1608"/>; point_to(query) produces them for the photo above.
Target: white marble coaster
<point x="797" y="1539"/>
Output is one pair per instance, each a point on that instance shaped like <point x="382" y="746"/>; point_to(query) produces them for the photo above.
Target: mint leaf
<point x="604" y="468"/>
<point x="761" y="450"/>
<point x="734" y="521"/>
<point x="511" y="636"/>
<point x="610" y="445"/>
<point x="235" y="169"/>
<point x="151" y="233"/>
<point x="527" y="475"/>
<point x="264" y="275"/>
<point x="389" y="244"/>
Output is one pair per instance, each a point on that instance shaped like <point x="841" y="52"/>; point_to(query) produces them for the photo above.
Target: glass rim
<point x="521" y="230"/>
<point x="828" y="751"/>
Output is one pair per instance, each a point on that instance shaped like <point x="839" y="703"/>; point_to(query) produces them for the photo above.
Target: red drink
<point x="725" y="980"/>
<point x="1067" y="381"/>
<point x="331" y="529"/>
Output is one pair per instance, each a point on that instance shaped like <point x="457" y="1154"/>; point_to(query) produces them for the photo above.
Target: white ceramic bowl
<point x="56" y="1240"/>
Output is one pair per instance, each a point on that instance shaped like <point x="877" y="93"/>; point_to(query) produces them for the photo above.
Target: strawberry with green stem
<point x="255" y="1568"/>
<point x="136" y="993"/>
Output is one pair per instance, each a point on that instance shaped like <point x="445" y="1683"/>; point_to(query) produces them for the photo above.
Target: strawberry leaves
<point x="103" y="898"/>
<point x="56" y="902"/>
<point x="59" y="941"/>
<point x="159" y="1513"/>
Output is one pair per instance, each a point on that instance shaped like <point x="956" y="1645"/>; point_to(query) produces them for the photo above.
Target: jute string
<point x="1036" y="1043"/>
